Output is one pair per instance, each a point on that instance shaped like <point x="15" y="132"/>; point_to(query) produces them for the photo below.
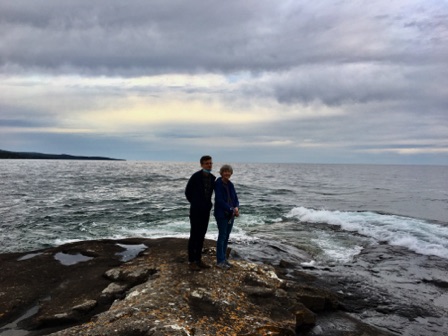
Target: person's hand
<point x="236" y="212"/>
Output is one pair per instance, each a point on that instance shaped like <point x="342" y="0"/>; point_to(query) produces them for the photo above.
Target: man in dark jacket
<point x="199" y="193"/>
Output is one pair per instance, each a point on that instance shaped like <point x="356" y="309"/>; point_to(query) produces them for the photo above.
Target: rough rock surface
<point x="156" y="294"/>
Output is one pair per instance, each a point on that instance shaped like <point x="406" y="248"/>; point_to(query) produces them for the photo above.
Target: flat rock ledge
<point x="154" y="293"/>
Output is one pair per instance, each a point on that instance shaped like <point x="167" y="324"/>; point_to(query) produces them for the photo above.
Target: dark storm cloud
<point x="360" y="83"/>
<point x="140" y="37"/>
<point x="118" y="37"/>
<point x="333" y="52"/>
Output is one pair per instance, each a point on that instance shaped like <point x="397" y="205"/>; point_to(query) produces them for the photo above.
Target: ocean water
<point x="332" y="212"/>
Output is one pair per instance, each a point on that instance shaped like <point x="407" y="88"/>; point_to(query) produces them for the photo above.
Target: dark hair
<point x="205" y="158"/>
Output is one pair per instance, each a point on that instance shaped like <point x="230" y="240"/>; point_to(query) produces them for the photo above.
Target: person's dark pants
<point x="198" y="228"/>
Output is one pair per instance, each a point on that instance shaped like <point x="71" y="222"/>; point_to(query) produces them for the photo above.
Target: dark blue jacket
<point x="222" y="208"/>
<point x="195" y="192"/>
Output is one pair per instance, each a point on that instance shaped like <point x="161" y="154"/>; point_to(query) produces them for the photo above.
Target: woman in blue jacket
<point x="226" y="209"/>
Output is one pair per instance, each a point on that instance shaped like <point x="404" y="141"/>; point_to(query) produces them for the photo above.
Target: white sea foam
<point x="254" y="220"/>
<point x="58" y="242"/>
<point x="310" y="263"/>
<point x="152" y="232"/>
<point x="418" y="235"/>
<point x="336" y="250"/>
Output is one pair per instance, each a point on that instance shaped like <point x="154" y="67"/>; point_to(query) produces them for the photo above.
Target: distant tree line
<point x="40" y="156"/>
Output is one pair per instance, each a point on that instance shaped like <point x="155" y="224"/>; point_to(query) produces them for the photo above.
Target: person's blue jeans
<point x="224" y="227"/>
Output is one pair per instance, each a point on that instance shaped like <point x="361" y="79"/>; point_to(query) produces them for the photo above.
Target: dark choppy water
<point x="330" y="210"/>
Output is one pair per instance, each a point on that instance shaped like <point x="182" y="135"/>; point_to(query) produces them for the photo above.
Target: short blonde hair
<point x="226" y="167"/>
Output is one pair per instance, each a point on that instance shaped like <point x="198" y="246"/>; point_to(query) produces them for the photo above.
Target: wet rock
<point x="437" y="282"/>
<point x="318" y="302"/>
<point x="390" y="288"/>
<point x="157" y="294"/>
<point x="286" y="264"/>
<point x="305" y="318"/>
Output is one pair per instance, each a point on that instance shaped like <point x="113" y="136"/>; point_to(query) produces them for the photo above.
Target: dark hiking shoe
<point x="193" y="266"/>
<point x="201" y="264"/>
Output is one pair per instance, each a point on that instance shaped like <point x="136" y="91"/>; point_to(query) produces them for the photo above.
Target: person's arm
<point x="236" y="202"/>
<point x="189" y="189"/>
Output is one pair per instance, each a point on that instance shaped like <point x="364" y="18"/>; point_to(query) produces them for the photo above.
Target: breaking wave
<point x="418" y="235"/>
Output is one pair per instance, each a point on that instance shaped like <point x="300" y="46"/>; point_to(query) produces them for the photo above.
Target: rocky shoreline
<point x="144" y="287"/>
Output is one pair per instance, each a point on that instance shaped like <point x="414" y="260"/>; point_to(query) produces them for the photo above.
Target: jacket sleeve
<point x="189" y="189"/>
<point x="236" y="202"/>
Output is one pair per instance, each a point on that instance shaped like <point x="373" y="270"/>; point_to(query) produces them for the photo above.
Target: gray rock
<point x="85" y="306"/>
<point x="201" y="301"/>
<point x="113" y="290"/>
<point x="261" y="292"/>
<point x="131" y="276"/>
<point x="305" y="318"/>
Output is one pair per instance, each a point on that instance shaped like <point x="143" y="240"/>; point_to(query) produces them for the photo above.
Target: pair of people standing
<point x="199" y="192"/>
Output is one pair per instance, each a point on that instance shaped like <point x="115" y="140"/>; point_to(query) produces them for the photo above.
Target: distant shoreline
<point x="41" y="156"/>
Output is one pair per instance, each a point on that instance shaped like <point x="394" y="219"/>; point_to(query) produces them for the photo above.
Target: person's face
<point x="207" y="164"/>
<point x="226" y="174"/>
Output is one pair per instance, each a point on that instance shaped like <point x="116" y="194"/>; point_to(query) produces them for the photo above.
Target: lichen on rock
<point x="156" y="294"/>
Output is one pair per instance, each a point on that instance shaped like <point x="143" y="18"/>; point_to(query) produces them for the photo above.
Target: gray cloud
<point x="177" y="36"/>
<point x="339" y="76"/>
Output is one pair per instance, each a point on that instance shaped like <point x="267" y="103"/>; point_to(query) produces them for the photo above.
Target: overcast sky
<point x="244" y="81"/>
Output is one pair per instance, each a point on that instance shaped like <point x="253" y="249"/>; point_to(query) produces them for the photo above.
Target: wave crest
<point x="418" y="235"/>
